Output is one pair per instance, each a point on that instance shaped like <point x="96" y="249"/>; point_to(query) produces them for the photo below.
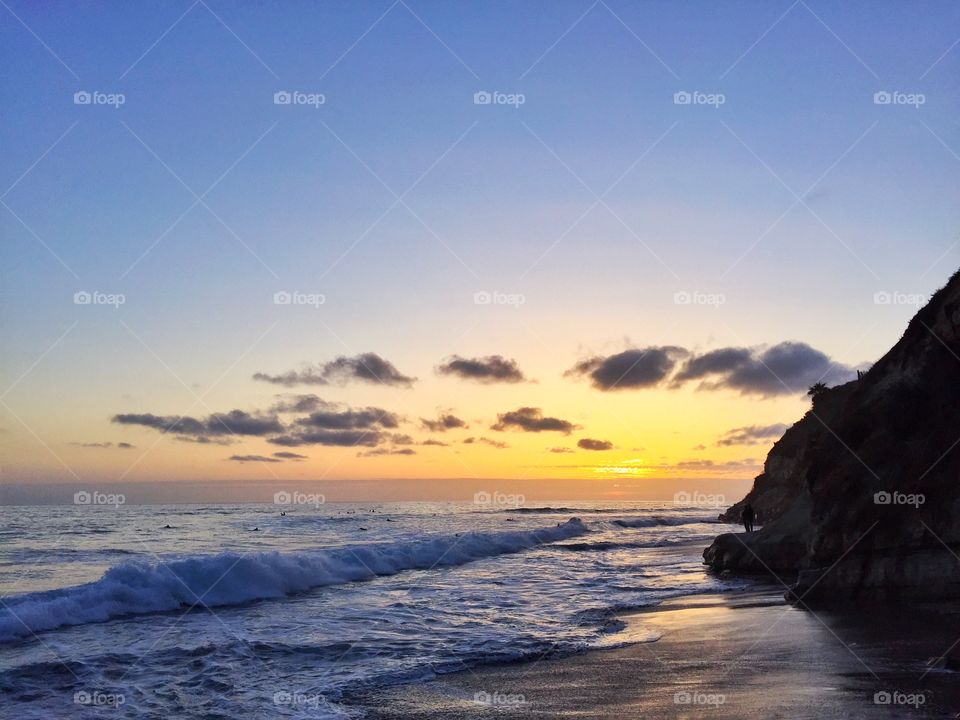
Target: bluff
<point x="861" y="497"/>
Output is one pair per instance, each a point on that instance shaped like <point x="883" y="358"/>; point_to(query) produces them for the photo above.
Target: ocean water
<point x="237" y="611"/>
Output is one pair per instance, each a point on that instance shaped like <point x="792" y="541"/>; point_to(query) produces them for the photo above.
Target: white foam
<point x="138" y="587"/>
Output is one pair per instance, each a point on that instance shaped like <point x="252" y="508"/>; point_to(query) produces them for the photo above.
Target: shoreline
<point x="730" y="655"/>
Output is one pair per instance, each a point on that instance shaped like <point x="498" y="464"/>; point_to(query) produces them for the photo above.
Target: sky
<point x="602" y="246"/>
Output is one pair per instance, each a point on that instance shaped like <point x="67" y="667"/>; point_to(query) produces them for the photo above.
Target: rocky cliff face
<point x="861" y="497"/>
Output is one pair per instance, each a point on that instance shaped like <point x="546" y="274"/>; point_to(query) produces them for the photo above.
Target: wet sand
<point x="743" y="655"/>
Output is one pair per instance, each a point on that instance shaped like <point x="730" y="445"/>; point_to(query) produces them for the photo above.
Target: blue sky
<point x="797" y="199"/>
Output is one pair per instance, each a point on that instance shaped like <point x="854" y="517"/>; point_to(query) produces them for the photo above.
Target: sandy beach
<point x="741" y="655"/>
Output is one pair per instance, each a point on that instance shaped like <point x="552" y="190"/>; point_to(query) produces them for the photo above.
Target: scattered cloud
<point x="752" y="435"/>
<point x="120" y="445"/>
<point x="286" y="455"/>
<point x="446" y="421"/>
<point x="486" y="441"/>
<point x="297" y="404"/>
<point x="560" y="450"/>
<point x="489" y="369"/>
<point x="387" y="451"/>
<point x="216" y="425"/>
<point x="591" y="444"/>
<point x="630" y="369"/>
<point x="366" y="367"/>
<point x="331" y="438"/>
<point x="253" y="458"/>
<point x="530" y="419"/>
<point x="438" y="443"/>
<point x="782" y="369"/>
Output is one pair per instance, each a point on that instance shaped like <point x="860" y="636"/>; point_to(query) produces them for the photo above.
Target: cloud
<point x="752" y="435"/>
<point x="445" y="422"/>
<point x="783" y="369"/>
<point x="366" y="367"/>
<point x="630" y="369"/>
<point x="235" y="422"/>
<point x="331" y="438"/>
<point x="297" y="404"/>
<point x="121" y="445"/>
<point x="125" y="445"/>
<point x="334" y="418"/>
<point x="590" y="444"/>
<point x="530" y="419"/>
<point x="560" y="450"/>
<point x="400" y="439"/>
<point x="253" y="458"/>
<point x="489" y="369"/>
<point x="387" y="451"/>
<point x="286" y="455"/>
<point x="438" y="443"/>
<point x="486" y="441"/>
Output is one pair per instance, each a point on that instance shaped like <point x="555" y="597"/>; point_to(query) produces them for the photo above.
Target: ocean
<point x="239" y="611"/>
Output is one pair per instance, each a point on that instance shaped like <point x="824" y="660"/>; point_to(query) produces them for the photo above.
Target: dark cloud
<point x="286" y="455"/>
<point x="125" y="445"/>
<point x="591" y="444"/>
<point x="783" y="369"/>
<point x="559" y="450"/>
<point x="332" y="438"/>
<point x="400" y="439"/>
<point x="298" y="404"/>
<point x="334" y="418"/>
<point x="235" y="422"/>
<point x="92" y="444"/>
<point x="530" y="419"/>
<point x="387" y="451"/>
<point x="489" y="369"/>
<point x="637" y="368"/>
<point x="752" y="435"/>
<point x="204" y="440"/>
<point x="253" y="458"/>
<point x="486" y="441"/>
<point x="366" y="367"/>
<point x="710" y="465"/>
<point x="438" y="443"/>
<point x="445" y="422"/>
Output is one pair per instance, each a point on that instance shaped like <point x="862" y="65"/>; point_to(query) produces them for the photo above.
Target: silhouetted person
<point x="747" y="516"/>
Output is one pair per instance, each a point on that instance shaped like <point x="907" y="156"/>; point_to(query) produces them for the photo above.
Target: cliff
<point x="861" y="497"/>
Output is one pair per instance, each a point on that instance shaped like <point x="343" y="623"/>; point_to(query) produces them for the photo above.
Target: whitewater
<point x="233" y="611"/>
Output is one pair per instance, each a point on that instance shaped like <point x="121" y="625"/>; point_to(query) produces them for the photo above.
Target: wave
<point x="657" y="520"/>
<point x="547" y="510"/>
<point x="139" y="587"/>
